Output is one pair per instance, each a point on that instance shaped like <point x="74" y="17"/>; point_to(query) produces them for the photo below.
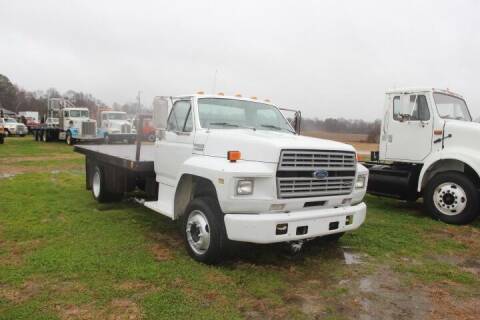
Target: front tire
<point x="204" y="230"/>
<point x="2" y="139"/>
<point x="452" y="198"/>
<point x="68" y="139"/>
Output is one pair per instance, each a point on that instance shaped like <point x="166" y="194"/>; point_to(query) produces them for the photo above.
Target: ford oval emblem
<point x="320" y="174"/>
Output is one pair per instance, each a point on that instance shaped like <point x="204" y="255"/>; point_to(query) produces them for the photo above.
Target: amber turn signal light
<point x="234" y="155"/>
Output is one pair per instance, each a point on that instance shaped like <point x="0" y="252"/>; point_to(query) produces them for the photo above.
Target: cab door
<point x="410" y="131"/>
<point x="177" y="143"/>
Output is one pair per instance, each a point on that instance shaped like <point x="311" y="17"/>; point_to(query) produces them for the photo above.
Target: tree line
<point x="341" y="125"/>
<point x="17" y="99"/>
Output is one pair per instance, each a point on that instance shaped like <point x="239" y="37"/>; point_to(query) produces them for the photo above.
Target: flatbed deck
<point x="121" y="155"/>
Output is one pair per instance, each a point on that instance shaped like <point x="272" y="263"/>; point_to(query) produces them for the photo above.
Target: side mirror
<point x="160" y="112"/>
<point x="298" y="122"/>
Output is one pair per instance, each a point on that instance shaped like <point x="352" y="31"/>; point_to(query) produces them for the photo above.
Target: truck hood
<point x="263" y="145"/>
<point x="464" y="134"/>
<point x="117" y="124"/>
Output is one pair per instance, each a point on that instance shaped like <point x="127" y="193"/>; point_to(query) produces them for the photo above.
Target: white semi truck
<point x="66" y="122"/>
<point x="234" y="169"/>
<point x="429" y="148"/>
<point x="115" y="126"/>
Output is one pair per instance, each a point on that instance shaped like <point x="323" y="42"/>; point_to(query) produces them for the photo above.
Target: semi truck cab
<point x="428" y="149"/>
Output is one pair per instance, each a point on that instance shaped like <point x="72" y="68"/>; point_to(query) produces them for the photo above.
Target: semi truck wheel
<point x="2" y="139"/>
<point x="204" y="230"/>
<point x="452" y="198"/>
<point x="68" y="139"/>
<point x="99" y="187"/>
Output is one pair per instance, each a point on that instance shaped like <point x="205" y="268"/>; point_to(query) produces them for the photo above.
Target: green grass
<point x="61" y="250"/>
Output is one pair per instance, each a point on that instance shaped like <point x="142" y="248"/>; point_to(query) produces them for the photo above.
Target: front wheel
<point x="69" y="140"/>
<point x="452" y="198"/>
<point x="2" y="139"/>
<point x="204" y="230"/>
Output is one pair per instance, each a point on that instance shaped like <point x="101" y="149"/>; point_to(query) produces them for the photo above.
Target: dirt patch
<point x="383" y="296"/>
<point x="13" y="170"/>
<point x="118" y="309"/>
<point x="67" y="156"/>
<point x="446" y="306"/>
<point x="161" y="252"/>
<point x="18" y="295"/>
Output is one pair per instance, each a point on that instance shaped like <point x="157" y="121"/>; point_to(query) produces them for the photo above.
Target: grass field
<point x="63" y="256"/>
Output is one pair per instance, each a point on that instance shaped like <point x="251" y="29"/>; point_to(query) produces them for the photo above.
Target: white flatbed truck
<point x="234" y="169"/>
<point x="429" y="149"/>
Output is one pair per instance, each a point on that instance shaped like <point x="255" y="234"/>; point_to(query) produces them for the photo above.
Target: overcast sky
<point x="328" y="58"/>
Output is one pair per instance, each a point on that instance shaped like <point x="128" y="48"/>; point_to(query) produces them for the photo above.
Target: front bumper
<point x="261" y="228"/>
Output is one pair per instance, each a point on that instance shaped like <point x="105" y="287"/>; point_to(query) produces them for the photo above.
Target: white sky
<point x="328" y="58"/>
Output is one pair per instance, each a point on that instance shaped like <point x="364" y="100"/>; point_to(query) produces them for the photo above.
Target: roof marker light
<point x="253" y="98"/>
<point x="238" y="95"/>
<point x="221" y="94"/>
<point x="267" y="100"/>
<point x="200" y="92"/>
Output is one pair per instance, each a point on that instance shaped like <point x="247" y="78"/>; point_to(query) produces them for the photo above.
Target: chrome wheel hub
<point x="96" y="184"/>
<point x="198" y="232"/>
<point x="450" y="198"/>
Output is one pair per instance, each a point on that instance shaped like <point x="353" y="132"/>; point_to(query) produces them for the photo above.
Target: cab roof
<point x="422" y="89"/>
<point x="221" y="96"/>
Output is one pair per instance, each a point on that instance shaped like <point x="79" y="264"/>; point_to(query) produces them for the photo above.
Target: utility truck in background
<point x="66" y="122"/>
<point x="234" y="169"/>
<point x="429" y="148"/>
<point x="114" y="126"/>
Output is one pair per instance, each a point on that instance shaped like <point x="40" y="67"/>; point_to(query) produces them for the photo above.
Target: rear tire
<point x="203" y="230"/>
<point x="2" y="139"/>
<point x="452" y="198"/>
<point x="99" y="187"/>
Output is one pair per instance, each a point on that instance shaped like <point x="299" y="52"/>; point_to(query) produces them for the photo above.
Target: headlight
<point x="360" y="183"/>
<point x="244" y="187"/>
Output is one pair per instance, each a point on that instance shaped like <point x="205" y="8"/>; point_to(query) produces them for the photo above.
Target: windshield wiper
<point x="271" y="126"/>
<point x="226" y="124"/>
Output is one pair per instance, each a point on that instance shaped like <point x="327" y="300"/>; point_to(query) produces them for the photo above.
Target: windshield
<point x="78" y="114"/>
<point x="10" y="120"/>
<point x="450" y="107"/>
<point x="117" y="116"/>
<point x="232" y="113"/>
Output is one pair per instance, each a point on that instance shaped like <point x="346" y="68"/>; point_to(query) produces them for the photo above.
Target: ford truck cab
<point x="428" y="148"/>
<point x="233" y="168"/>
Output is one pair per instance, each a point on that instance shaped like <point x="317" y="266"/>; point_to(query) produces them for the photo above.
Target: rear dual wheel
<point x="100" y="189"/>
<point x="452" y="198"/>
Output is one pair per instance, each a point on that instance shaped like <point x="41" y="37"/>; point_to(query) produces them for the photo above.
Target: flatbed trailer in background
<point x="120" y="169"/>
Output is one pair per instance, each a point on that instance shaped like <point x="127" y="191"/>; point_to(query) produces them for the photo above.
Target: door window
<point x="413" y="108"/>
<point x="180" y="119"/>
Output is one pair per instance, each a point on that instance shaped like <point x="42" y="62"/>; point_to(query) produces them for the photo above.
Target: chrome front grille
<point x="296" y="179"/>
<point x="125" y="128"/>
<point x="311" y="160"/>
<point x="88" y="128"/>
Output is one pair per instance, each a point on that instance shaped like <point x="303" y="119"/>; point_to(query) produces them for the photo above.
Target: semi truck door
<point x="409" y="136"/>
<point x="177" y="144"/>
